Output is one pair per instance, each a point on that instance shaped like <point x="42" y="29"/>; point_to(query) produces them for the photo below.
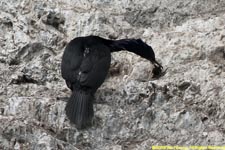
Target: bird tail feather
<point x="79" y="108"/>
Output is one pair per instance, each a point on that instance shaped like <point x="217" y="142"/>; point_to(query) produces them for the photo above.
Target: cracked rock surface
<point x="132" y="111"/>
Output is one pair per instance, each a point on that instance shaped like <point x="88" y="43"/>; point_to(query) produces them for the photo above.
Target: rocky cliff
<point x="132" y="111"/>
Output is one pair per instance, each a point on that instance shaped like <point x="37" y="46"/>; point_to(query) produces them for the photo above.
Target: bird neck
<point x="136" y="46"/>
<point x="131" y="45"/>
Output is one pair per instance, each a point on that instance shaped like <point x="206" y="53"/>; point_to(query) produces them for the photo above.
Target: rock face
<point x="132" y="111"/>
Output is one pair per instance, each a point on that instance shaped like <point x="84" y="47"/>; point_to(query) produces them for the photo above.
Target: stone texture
<point x="132" y="110"/>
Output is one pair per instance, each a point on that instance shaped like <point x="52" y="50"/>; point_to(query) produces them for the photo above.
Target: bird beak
<point x="157" y="65"/>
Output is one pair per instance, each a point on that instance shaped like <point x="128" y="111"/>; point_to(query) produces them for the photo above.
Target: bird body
<point x="85" y="64"/>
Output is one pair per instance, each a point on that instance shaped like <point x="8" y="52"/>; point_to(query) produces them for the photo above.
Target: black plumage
<point x="85" y="64"/>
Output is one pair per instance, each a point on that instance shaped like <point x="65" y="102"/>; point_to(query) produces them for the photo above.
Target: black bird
<point x="85" y="64"/>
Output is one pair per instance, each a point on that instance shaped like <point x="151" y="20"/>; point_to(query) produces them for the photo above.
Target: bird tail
<point x="79" y="108"/>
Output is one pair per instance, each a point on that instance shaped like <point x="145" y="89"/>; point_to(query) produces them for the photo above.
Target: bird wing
<point x="94" y="67"/>
<point x="71" y="61"/>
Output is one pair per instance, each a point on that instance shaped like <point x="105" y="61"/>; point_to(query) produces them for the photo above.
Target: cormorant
<point x="85" y="64"/>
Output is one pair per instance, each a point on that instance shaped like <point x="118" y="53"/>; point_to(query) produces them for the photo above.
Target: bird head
<point x="148" y="53"/>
